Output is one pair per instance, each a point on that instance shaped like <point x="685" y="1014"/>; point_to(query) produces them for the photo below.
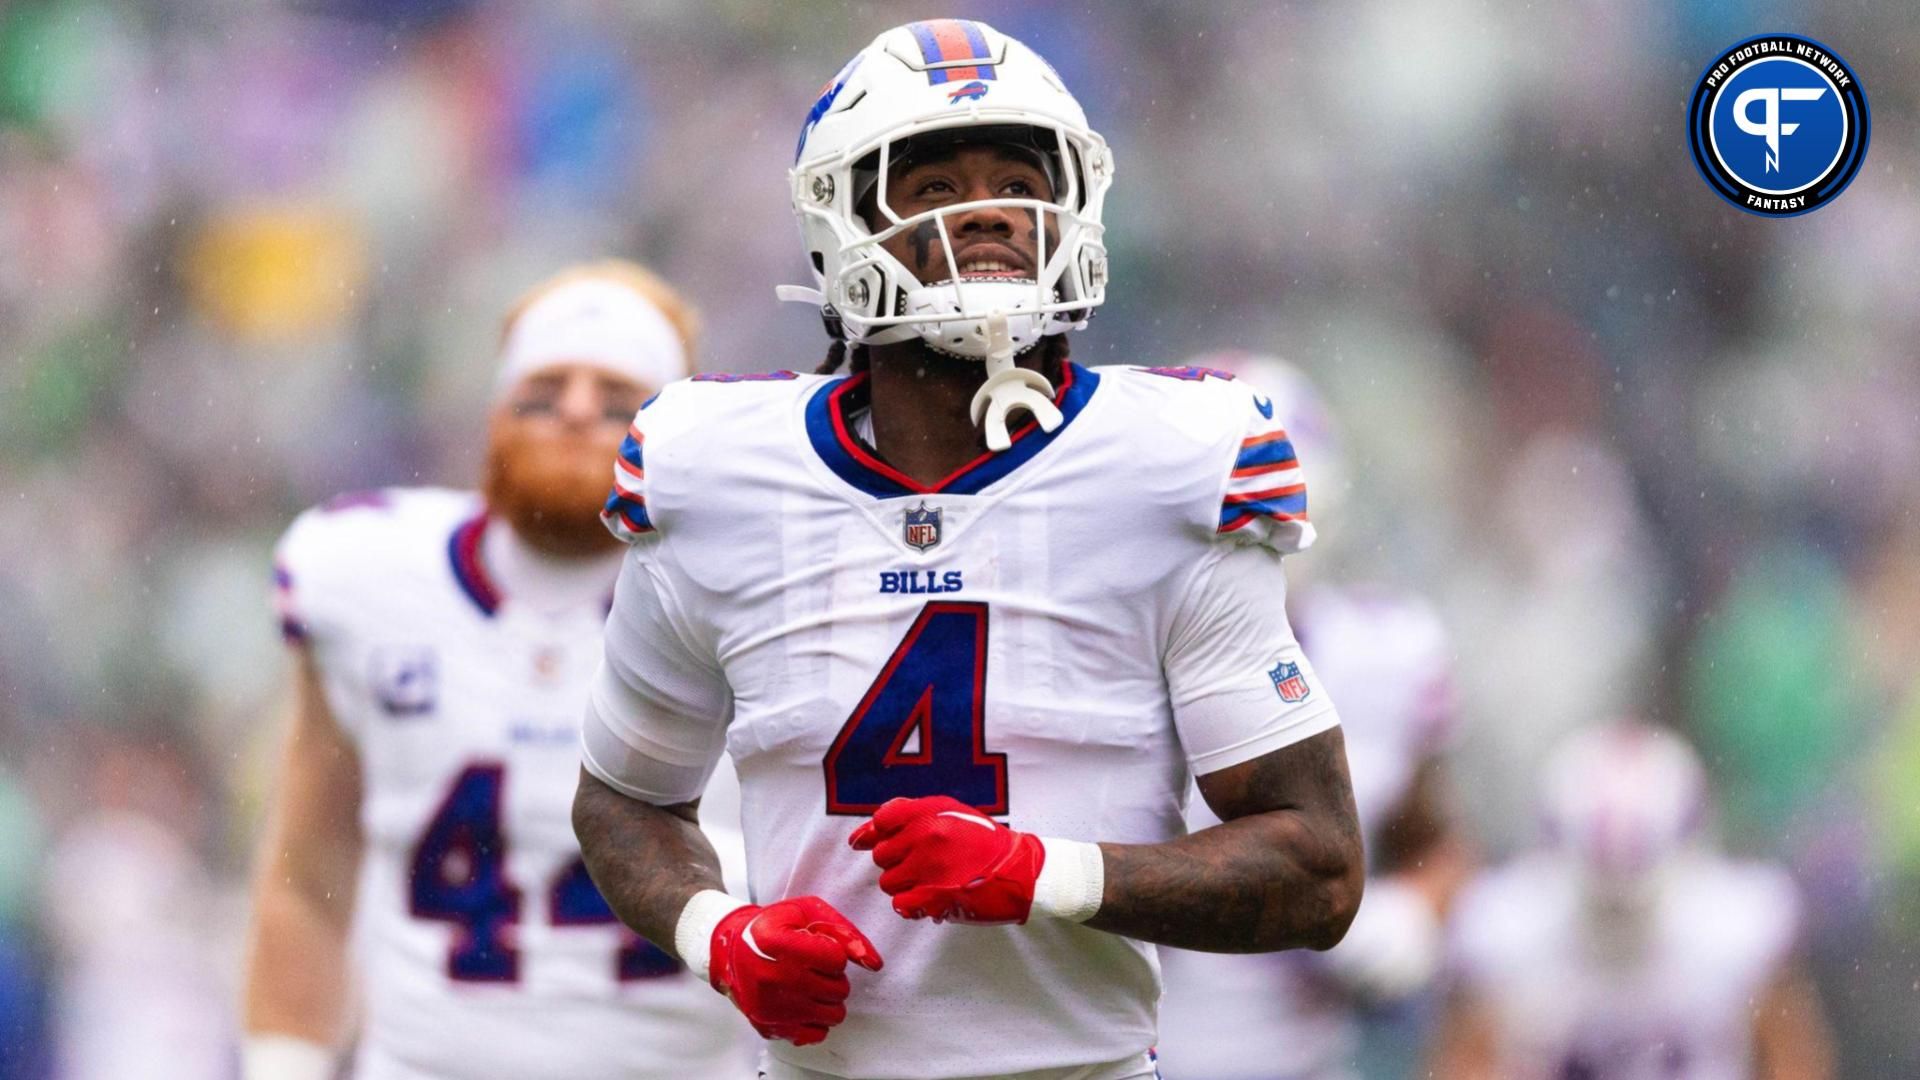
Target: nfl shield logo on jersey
<point x="1289" y="682"/>
<point x="406" y="679"/>
<point x="923" y="527"/>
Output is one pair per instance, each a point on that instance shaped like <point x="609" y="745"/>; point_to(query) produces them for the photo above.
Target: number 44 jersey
<point x="484" y="949"/>
<point x="1059" y="634"/>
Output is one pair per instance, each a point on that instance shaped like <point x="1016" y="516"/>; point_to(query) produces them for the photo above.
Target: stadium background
<point x="1646" y="452"/>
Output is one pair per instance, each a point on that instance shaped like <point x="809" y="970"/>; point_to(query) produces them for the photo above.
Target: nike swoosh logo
<point x="1265" y="405"/>
<point x="747" y="936"/>
<point x="975" y="818"/>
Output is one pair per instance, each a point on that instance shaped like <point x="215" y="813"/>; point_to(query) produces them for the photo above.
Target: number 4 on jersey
<point x="921" y="727"/>
<point x="459" y="876"/>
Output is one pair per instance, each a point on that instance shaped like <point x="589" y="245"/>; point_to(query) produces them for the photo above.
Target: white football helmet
<point x="963" y="81"/>
<point x="1623" y="799"/>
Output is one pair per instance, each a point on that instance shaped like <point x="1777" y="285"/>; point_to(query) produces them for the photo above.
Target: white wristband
<point x="1072" y="880"/>
<point x="693" y="934"/>
<point x="284" y="1057"/>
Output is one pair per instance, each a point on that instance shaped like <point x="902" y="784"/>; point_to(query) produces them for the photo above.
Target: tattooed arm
<point x="1283" y="872"/>
<point x="655" y="726"/>
<point x="646" y="860"/>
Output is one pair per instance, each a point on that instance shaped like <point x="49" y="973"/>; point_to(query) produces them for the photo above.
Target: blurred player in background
<point x="444" y="642"/>
<point x="906" y="618"/>
<point x="1626" y="949"/>
<point x="1384" y="655"/>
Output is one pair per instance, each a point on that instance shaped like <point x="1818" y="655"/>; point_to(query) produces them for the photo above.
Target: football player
<point x="969" y="618"/>
<point x="1626" y="947"/>
<point x="1385" y="655"/>
<point x="444" y="640"/>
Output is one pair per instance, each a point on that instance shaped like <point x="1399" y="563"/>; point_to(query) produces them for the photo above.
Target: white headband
<point x="594" y="321"/>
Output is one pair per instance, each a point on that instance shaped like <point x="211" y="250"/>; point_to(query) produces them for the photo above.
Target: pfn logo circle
<point x="1779" y="125"/>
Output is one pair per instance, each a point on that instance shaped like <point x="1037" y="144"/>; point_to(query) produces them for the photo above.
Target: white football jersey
<point x="1571" y="1000"/>
<point x="1384" y="656"/>
<point x="1060" y="634"/>
<point x="484" y="949"/>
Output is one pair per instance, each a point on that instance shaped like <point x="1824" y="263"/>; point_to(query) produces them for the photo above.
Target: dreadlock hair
<point x="1053" y="357"/>
<point x="837" y="355"/>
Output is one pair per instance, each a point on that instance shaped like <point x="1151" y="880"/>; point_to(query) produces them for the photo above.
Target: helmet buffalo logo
<point x="973" y="91"/>
<point x="1289" y="682"/>
<point x="923" y="527"/>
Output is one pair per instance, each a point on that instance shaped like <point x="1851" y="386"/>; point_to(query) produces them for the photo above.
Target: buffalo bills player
<point x="1626" y="947"/>
<point x="444" y="641"/>
<point x="969" y="619"/>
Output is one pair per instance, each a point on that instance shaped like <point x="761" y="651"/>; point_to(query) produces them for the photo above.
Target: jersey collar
<point x="469" y="572"/>
<point x="832" y="438"/>
<point x="465" y="553"/>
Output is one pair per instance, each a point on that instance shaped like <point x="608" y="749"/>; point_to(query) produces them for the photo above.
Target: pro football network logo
<point x="1778" y="125"/>
<point x="1287" y="680"/>
<point x="922" y="527"/>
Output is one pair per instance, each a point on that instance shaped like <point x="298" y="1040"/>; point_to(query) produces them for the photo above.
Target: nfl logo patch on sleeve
<point x="1291" y="685"/>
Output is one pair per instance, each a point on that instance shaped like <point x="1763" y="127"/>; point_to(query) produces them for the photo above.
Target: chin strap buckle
<point x="1008" y="388"/>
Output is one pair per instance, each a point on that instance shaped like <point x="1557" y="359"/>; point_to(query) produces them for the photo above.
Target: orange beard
<point x="550" y="487"/>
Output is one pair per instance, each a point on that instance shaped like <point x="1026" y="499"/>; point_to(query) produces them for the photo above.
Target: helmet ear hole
<point x="819" y="262"/>
<point x="864" y="292"/>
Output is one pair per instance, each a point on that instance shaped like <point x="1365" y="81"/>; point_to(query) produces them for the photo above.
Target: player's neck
<point x="921" y="401"/>
<point x="540" y="579"/>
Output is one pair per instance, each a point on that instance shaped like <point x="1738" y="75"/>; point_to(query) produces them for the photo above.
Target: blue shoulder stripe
<point x="1286" y="506"/>
<point x="1266" y="453"/>
<point x="633" y="509"/>
<point x="630" y="450"/>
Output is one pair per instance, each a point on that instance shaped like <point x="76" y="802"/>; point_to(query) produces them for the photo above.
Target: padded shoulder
<point x="691" y="436"/>
<point x="1259" y="493"/>
<point x="1745" y="915"/>
<point x="336" y="554"/>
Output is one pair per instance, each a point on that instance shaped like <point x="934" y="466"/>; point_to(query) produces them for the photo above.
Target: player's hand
<point x="943" y="860"/>
<point x="784" y="966"/>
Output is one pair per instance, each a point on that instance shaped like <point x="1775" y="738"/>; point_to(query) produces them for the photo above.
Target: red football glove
<point x="785" y="966"/>
<point x="943" y="860"/>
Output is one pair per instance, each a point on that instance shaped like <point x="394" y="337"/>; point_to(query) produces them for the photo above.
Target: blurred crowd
<point x="1648" y="455"/>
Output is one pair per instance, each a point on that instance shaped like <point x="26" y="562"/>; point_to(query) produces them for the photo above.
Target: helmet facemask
<point x="949" y="309"/>
<point x="960" y="311"/>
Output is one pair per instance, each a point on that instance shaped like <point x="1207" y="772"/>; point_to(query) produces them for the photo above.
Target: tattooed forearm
<point x="647" y="860"/>
<point x="1284" y="872"/>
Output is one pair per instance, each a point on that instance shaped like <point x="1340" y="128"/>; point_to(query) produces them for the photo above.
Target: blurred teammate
<point x="1625" y="948"/>
<point x="1384" y="655"/>
<point x="445" y="640"/>
<point x="908" y="612"/>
